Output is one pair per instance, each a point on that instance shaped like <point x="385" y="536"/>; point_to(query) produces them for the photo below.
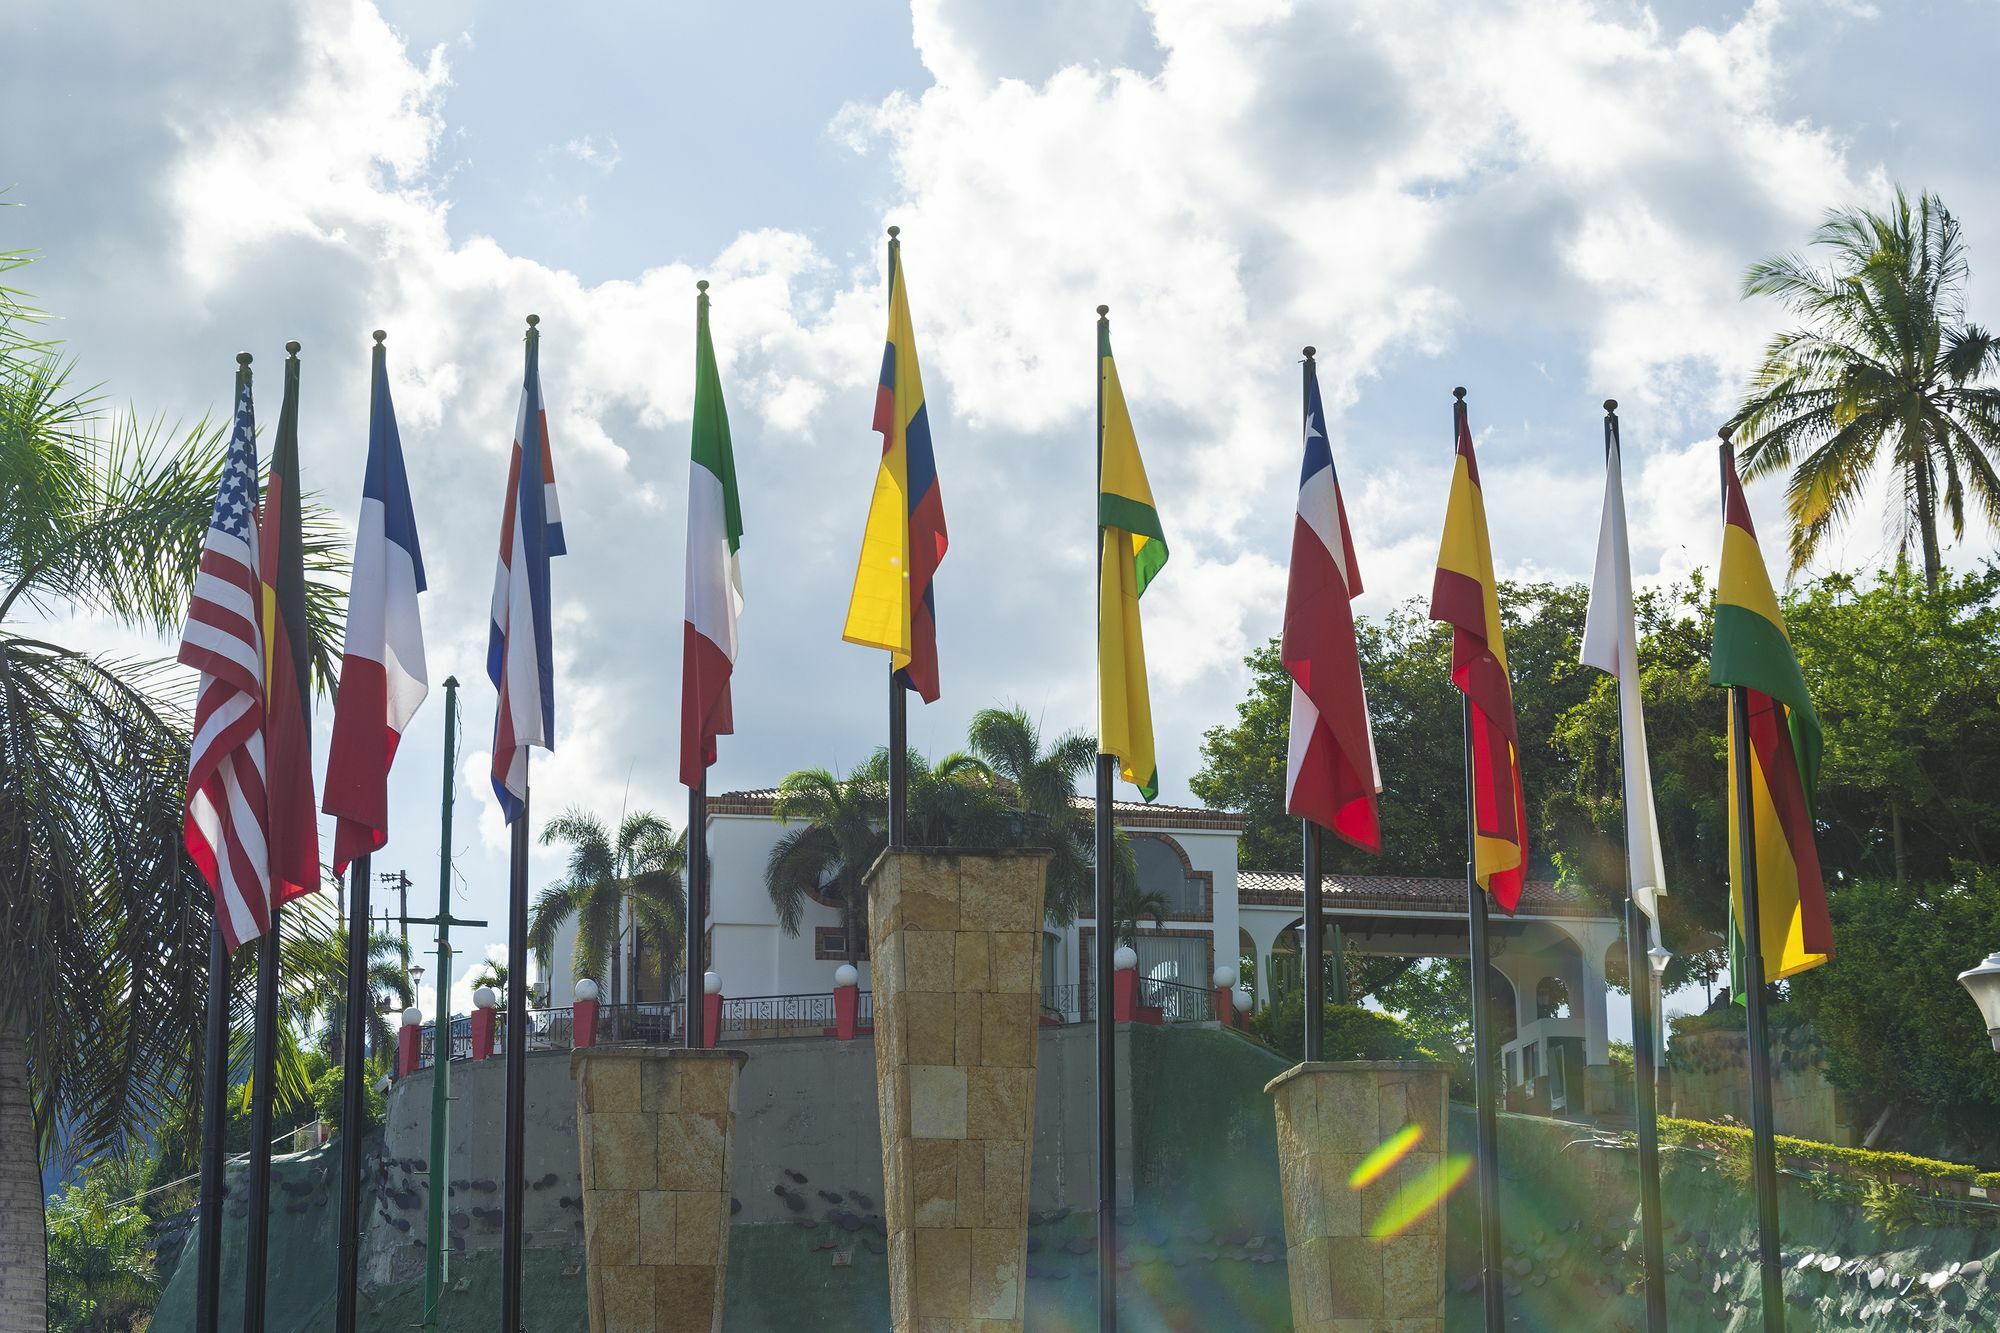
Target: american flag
<point x="225" y="826"/>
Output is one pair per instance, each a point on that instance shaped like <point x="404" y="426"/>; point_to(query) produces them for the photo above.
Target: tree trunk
<point x="24" y="1252"/>
<point x="1927" y="523"/>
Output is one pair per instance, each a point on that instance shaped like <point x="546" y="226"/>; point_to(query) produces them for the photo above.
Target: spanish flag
<point x="1134" y="550"/>
<point x="1465" y="594"/>
<point x="893" y="605"/>
<point x="1753" y="653"/>
<point x="289" y="648"/>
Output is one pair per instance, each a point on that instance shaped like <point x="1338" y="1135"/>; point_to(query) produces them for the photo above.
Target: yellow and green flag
<point x="1134" y="551"/>
<point x="1753" y="653"/>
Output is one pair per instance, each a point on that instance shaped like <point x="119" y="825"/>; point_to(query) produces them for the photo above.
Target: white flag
<point x="1611" y="643"/>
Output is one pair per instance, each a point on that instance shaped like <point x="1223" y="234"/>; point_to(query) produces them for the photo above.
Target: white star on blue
<point x="235" y="498"/>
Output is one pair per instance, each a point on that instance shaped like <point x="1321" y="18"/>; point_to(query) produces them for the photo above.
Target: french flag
<point x="382" y="678"/>
<point x="1331" y="777"/>
<point x="520" y="659"/>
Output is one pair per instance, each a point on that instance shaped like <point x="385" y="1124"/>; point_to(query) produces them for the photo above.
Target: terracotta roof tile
<point x="1131" y="814"/>
<point x="1283" y="888"/>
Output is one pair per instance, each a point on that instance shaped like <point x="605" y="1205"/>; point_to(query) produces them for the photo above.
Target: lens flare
<point x="1428" y="1190"/>
<point x="1389" y="1152"/>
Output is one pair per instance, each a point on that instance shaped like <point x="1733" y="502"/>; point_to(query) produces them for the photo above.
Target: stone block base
<point x="654" y="1130"/>
<point x="1361" y="1146"/>
<point x="955" y="939"/>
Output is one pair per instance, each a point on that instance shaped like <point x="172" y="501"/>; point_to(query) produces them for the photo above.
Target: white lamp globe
<point x="1125" y="959"/>
<point x="711" y="983"/>
<point x="1243" y="999"/>
<point x="586" y="989"/>
<point x="845" y="975"/>
<point x="1984" y="984"/>
<point x="485" y="998"/>
<point x="413" y="1017"/>
<point x="1225" y="976"/>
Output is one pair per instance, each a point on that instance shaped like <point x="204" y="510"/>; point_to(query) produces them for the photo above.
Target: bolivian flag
<point x="1134" y="551"/>
<point x="1753" y="653"/>
<point x="1465" y="594"/>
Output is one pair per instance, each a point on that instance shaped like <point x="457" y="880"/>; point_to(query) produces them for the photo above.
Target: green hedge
<point x="1702" y="1133"/>
<point x="1351" y="1032"/>
<point x="1987" y="1180"/>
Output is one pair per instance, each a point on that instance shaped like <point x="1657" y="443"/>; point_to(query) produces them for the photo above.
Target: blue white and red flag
<point x="520" y="659"/>
<point x="1331" y="776"/>
<point x="382" y="678"/>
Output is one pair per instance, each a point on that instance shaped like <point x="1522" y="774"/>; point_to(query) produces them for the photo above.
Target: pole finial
<point x="534" y="320"/>
<point x="1103" y="310"/>
<point x="701" y="285"/>
<point x="1611" y="405"/>
<point x="380" y="337"/>
<point x="1459" y="393"/>
<point x="1725" y="433"/>
<point x="894" y="232"/>
<point x="293" y="348"/>
<point x="1311" y="351"/>
<point x="243" y="360"/>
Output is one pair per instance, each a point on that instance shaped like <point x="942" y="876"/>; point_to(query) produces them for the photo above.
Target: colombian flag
<point x="293" y="831"/>
<point x="894" y="605"/>
<point x="1466" y="595"/>
<point x="1753" y="653"/>
<point x="1134" y="551"/>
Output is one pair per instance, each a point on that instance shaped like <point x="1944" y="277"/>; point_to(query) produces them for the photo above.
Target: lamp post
<point x="1984" y="983"/>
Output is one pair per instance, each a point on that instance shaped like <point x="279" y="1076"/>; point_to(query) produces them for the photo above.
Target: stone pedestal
<point x="1352" y="1267"/>
<point x="654" y="1128"/>
<point x="955" y="941"/>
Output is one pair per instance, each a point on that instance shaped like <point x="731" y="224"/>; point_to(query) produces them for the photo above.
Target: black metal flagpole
<point x="1105" y="946"/>
<point x="257" y="1253"/>
<point x="1645" y="1076"/>
<point x="517" y="1065"/>
<point x="214" y="1128"/>
<point x="215" y="1095"/>
<point x="353" y="1077"/>
<point x="1315" y="922"/>
<point x="1485" y="1073"/>
<point x="899" y="694"/>
<point x="694" y="949"/>
<point x="1763" y="1135"/>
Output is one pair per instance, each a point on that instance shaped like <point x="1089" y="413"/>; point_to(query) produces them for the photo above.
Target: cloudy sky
<point x="1550" y="203"/>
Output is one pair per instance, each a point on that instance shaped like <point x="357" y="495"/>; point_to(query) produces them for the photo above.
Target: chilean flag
<point x="382" y="678"/>
<point x="520" y="659"/>
<point x="1331" y="777"/>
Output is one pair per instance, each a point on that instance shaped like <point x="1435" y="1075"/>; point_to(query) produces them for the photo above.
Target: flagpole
<point x="693" y="948"/>
<point x="1105" y="946"/>
<point x="517" y="1064"/>
<point x="438" y="1176"/>
<point x="899" y="694"/>
<point x="1315" y="923"/>
<point x="353" y="1079"/>
<point x="264" y="1074"/>
<point x="1639" y="970"/>
<point x="1485" y="1071"/>
<point x="1763" y="1138"/>
<point x="215" y="1094"/>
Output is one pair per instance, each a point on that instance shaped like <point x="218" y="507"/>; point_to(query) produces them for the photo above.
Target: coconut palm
<point x="388" y="980"/>
<point x="955" y="802"/>
<point x="1044" y="784"/>
<point x="630" y="882"/>
<point x="100" y="1268"/>
<point x="1130" y="904"/>
<point x="1887" y="367"/>
<point x="104" y="922"/>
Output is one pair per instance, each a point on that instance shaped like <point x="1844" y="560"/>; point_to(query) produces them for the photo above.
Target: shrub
<point x="1352" y="1033"/>
<point x="327" y="1095"/>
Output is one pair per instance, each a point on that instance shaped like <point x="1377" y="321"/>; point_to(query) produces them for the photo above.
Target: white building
<point x="1549" y="957"/>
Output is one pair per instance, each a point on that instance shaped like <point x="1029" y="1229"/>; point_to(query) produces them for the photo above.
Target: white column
<point x="1589" y="997"/>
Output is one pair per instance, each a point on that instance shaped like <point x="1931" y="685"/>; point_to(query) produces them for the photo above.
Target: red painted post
<point x="1124" y="984"/>
<point x="483" y="1006"/>
<point x="846" y="1001"/>
<point x="409" y="1042"/>
<point x="1225" y="996"/>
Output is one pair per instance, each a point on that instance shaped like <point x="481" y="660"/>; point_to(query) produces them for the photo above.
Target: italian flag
<point x="714" y="582"/>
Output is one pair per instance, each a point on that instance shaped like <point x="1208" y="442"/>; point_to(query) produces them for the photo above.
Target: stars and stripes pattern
<point x="226" y="814"/>
<point x="520" y="658"/>
<point x="1331" y="775"/>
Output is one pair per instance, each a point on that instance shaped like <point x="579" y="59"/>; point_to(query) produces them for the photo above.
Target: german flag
<point x="1465" y="595"/>
<point x="1753" y="653"/>
<point x="288" y="647"/>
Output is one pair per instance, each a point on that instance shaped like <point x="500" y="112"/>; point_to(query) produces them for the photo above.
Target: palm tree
<point x="1886" y="365"/>
<point x="100" y="1269"/>
<point x="1130" y="905"/>
<point x="633" y="879"/>
<point x="388" y="980"/>
<point x="492" y="973"/>
<point x="1044" y="783"/>
<point x="104" y="922"/>
<point x="953" y="803"/>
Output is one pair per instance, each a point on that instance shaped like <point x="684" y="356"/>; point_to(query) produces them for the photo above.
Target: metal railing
<point x="460" y="1039"/>
<point x="864" y="1009"/>
<point x="1177" y="1003"/>
<point x="759" y="1017"/>
<point x="649" y="1023"/>
<point x="1064" y="1003"/>
<point x="548" y="1030"/>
